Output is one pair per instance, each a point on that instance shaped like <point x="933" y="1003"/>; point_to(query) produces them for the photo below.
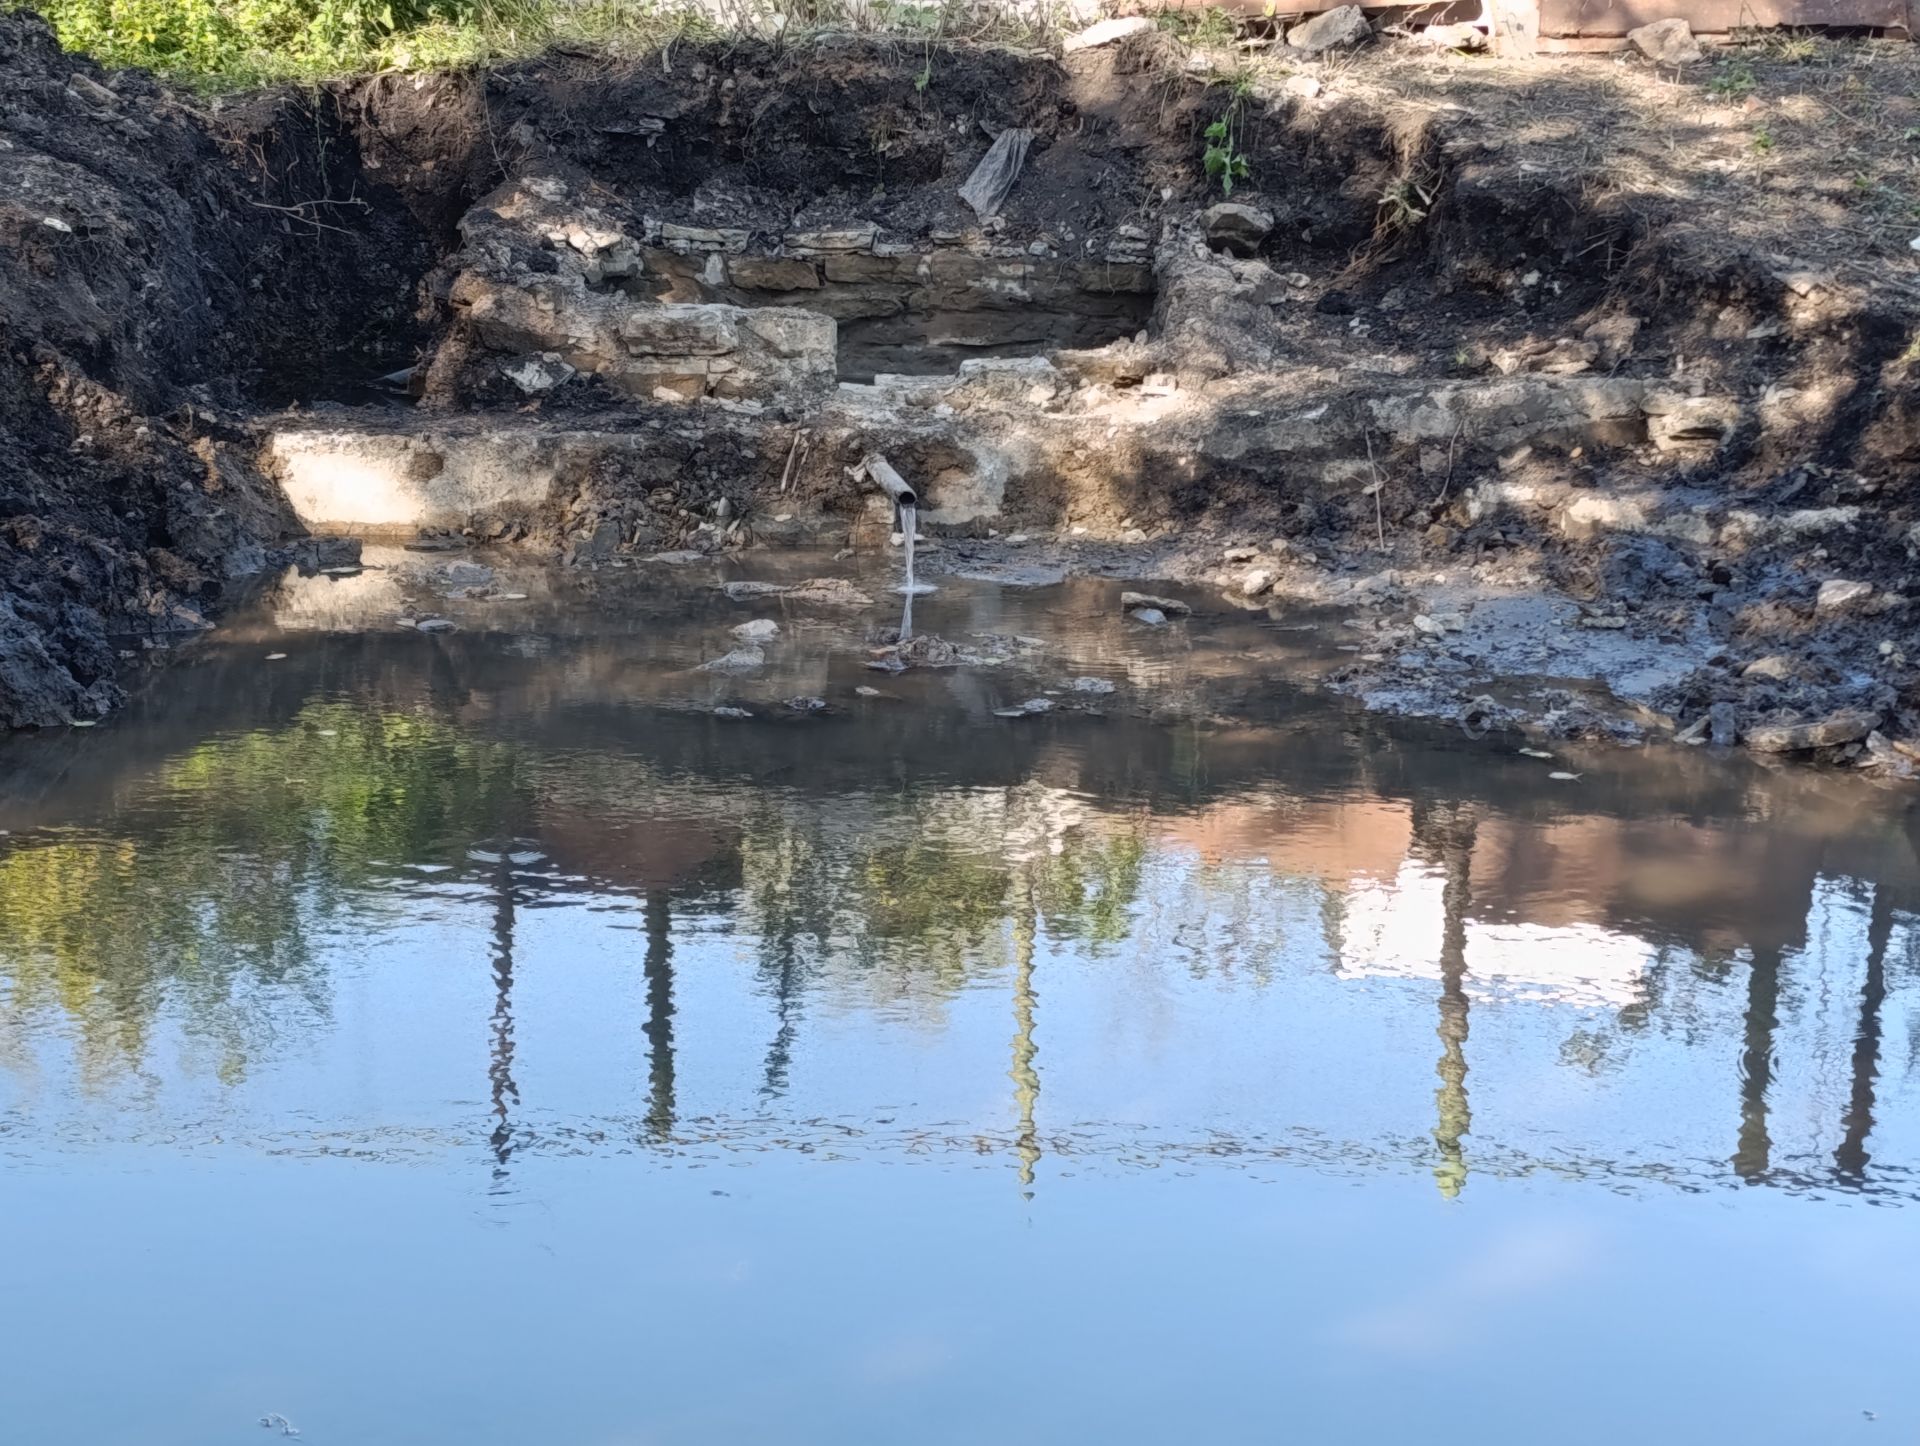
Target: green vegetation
<point x="227" y="44"/>
<point x="214" y="899"/>
<point x="1209" y="28"/>
<point x="253" y="845"/>
<point x="222" y="45"/>
<point x="1223" y="158"/>
<point x="1733" y="80"/>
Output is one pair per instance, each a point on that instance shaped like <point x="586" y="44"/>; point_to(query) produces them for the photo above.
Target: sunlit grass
<point x="226" y="45"/>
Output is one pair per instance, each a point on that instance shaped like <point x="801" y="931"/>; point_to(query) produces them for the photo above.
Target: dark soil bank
<point x="1724" y="536"/>
<point x="158" y="268"/>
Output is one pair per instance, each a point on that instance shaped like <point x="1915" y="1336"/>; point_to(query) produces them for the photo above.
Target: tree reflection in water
<point x="204" y="904"/>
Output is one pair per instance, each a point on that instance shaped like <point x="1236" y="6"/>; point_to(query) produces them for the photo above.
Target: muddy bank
<point x="1606" y="434"/>
<point x="159" y="270"/>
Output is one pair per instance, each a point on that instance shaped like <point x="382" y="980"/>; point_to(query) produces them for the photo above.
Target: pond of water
<point x="473" y="1037"/>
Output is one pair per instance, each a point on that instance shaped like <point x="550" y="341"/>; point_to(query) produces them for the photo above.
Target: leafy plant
<point x="1223" y="159"/>
<point x="1733" y="81"/>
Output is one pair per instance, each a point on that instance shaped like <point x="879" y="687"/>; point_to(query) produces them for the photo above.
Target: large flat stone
<point x="1337" y="29"/>
<point x="791" y="332"/>
<point x="678" y="329"/>
<point x="840" y="238"/>
<point x="349" y="481"/>
<point x="773" y="273"/>
<point x="703" y="238"/>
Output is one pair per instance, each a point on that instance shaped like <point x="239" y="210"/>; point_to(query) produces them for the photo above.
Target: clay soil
<point x="173" y="274"/>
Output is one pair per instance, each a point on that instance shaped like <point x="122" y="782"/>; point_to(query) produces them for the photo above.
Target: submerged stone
<point x="740" y="660"/>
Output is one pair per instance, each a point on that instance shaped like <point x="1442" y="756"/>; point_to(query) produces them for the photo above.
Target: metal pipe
<point x="890" y="481"/>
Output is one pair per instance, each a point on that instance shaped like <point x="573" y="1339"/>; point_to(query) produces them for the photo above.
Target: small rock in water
<point x="1884" y="755"/>
<point x="760" y="630"/>
<point x="1849" y="725"/>
<point x="1026" y="709"/>
<point x="740" y="591"/>
<point x="740" y="660"/>
<point x="1092" y="685"/>
<point x="1171" y="607"/>
<point x="1723" y="725"/>
<point x="832" y="591"/>
<point x="805" y="704"/>
<point x="729" y="712"/>
<point x="435" y="625"/>
<point x="1257" y="581"/>
<point x="927" y="651"/>
<point x="1152" y="617"/>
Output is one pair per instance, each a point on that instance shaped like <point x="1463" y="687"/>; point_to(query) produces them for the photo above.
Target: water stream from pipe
<point x="909" y="525"/>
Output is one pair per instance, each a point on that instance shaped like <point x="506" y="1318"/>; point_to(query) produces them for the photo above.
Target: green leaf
<point x="1217" y="131"/>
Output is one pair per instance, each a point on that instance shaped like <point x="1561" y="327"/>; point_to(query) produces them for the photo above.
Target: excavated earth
<point x="1549" y="393"/>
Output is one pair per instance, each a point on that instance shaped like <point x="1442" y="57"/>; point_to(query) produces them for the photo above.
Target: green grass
<point x="1208" y="28"/>
<point x="226" y="45"/>
<point x="1732" y="80"/>
<point x="234" y="44"/>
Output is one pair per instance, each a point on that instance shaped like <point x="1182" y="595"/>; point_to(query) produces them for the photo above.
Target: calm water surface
<point x="471" y="1038"/>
